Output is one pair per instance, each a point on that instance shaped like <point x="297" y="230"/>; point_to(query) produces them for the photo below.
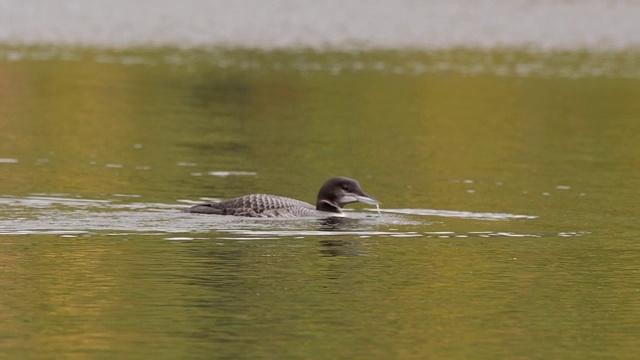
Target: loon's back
<point x="258" y="205"/>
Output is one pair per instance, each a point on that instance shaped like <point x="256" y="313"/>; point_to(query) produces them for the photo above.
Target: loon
<point x="333" y="195"/>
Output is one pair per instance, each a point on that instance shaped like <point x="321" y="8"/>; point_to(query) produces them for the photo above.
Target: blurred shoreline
<point x="330" y="24"/>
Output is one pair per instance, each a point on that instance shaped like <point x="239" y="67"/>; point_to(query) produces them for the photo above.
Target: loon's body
<point x="333" y="195"/>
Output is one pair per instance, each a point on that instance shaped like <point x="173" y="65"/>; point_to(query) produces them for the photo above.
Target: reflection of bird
<point x="333" y="195"/>
<point x="340" y="248"/>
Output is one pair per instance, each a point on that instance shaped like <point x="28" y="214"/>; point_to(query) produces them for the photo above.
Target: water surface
<point x="508" y="183"/>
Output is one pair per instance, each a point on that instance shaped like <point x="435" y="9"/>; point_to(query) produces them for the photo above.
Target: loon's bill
<point x="332" y="196"/>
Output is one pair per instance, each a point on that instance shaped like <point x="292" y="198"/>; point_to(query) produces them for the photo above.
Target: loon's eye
<point x="345" y="187"/>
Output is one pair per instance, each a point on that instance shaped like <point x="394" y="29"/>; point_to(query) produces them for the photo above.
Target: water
<point x="507" y="177"/>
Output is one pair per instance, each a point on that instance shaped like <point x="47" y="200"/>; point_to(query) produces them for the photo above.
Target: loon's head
<point x="338" y="191"/>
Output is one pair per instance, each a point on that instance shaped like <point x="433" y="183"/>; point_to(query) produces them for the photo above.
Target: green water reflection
<point x="553" y="136"/>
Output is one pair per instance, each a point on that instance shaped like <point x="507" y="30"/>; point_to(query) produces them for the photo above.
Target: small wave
<point x="47" y="201"/>
<point x="232" y="173"/>
<point x="458" y="214"/>
<point x="63" y="233"/>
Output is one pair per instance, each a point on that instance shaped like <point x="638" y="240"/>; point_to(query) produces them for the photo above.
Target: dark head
<point x="338" y="191"/>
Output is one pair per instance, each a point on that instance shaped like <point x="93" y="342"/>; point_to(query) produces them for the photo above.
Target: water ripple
<point x="42" y="214"/>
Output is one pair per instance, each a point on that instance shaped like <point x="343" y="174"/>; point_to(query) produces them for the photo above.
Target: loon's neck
<point x="327" y="206"/>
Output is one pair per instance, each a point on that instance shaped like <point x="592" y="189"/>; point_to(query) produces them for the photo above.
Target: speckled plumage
<point x="259" y="205"/>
